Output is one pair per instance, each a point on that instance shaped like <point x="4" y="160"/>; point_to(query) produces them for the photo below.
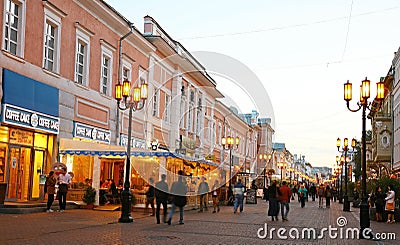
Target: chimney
<point x="148" y="26"/>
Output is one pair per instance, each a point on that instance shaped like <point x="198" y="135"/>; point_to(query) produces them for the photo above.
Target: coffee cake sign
<point x="30" y="119"/>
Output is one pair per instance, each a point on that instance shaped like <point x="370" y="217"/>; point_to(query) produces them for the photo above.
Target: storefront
<point x="29" y="125"/>
<point x="92" y="159"/>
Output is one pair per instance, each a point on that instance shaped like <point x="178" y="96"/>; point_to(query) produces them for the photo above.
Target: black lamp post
<point x="281" y="165"/>
<point x="364" y="105"/>
<point x="345" y="149"/>
<point x="229" y="143"/>
<point x="264" y="157"/>
<point x="135" y="102"/>
<point x="340" y="167"/>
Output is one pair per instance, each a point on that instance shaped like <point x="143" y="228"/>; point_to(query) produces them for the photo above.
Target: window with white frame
<point x="51" y="47"/>
<point x="126" y="70"/>
<point x="156" y="103"/>
<point x="82" y="57"/>
<point x="167" y="107"/>
<point x="106" y="71"/>
<point x="14" y="27"/>
<point x="190" y="118"/>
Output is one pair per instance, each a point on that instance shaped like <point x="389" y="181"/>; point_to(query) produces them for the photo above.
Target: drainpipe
<point x="119" y="76"/>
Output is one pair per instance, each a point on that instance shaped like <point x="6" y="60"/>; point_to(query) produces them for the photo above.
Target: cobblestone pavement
<point x="82" y="226"/>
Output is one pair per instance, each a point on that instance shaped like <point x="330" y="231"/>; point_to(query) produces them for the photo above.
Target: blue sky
<point x="302" y="51"/>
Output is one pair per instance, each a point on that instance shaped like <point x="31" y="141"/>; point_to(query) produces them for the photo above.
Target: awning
<point x="77" y="147"/>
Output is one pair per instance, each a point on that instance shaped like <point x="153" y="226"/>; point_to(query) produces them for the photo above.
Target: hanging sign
<point x="92" y="133"/>
<point x="135" y="142"/>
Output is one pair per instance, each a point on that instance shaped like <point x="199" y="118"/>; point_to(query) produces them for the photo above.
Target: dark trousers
<point x="50" y="200"/>
<point x="164" y="204"/>
<point x="62" y="200"/>
<point x="313" y="196"/>
<point x="303" y="201"/>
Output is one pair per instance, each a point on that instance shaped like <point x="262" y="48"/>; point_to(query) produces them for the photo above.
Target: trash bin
<point x="3" y="187"/>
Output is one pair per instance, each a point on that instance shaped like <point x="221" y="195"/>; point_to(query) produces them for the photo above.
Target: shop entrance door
<point x="19" y="173"/>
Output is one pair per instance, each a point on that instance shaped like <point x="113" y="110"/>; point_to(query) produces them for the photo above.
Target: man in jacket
<point x="238" y="191"/>
<point x="284" y="197"/>
<point x="161" y="198"/>
<point x="202" y="191"/>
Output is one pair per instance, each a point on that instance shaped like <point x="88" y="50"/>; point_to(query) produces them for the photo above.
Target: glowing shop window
<point x="40" y="140"/>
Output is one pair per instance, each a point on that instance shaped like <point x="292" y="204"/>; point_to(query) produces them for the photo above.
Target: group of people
<point x="62" y="181"/>
<point x="383" y="202"/>
<point x="279" y="198"/>
<point x="159" y="193"/>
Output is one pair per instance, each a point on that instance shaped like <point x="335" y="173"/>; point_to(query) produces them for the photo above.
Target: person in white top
<point x="64" y="179"/>
<point x="389" y="207"/>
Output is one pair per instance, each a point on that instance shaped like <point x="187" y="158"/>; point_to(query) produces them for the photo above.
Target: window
<point x="82" y="55"/>
<point x="156" y="103"/>
<point x="190" y="119"/>
<point x="14" y="24"/>
<point x="52" y="33"/>
<point x="106" y="67"/>
<point x="80" y="63"/>
<point x="167" y="105"/>
<point x="105" y="74"/>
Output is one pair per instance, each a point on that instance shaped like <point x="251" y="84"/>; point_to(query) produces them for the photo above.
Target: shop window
<point x="40" y="140"/>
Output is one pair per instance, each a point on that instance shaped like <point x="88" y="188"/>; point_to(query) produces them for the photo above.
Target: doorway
<point x="19" y="173"/>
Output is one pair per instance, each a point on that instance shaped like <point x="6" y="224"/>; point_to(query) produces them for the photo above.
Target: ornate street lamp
<point x="265" y="157"/>
<point x="345" y="149"/>
<point x="133" y="102"/>
<point x="281" y="165"/>
<point x="364" y="105"/>
<point x="230" y="143"/>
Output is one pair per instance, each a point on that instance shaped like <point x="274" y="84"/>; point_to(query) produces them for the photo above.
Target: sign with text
<point x="135" y="142"/>
<point x="30" y="119"/>
<point x="92" y="133"/>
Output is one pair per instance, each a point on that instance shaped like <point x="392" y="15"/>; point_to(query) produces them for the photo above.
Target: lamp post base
<point x="346" y="203"/>
<point x="364" y="219"/>
<point x="126" y="200"/>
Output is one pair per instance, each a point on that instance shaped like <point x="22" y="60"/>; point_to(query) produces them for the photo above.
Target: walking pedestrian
<point x="161" y="194"/>
<point x="321" y="192"/>
<point x="178" y="192"/>
<point x="238" y="191"/>
<point x="215" y="196"/>
<point x="313" y="191"/>
<point x="203" y="191"/>
<point x="390" y="204"/>
<point x="379" y="201"/>
<point x="273" y="207"/>
<point x="285" y="194"/>
<point x="334" y="193"/>
<point x="50" y="189"/>
<point x="302" y="194"/>
<point x="150" y="195"/>
<point x="328" y="195"/>
<point x="64" y="179"/>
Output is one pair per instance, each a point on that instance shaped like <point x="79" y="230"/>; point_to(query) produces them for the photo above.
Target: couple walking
<point x="279" y="196"/>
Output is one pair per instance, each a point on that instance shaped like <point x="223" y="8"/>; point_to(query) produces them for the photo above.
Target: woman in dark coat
<point x="273" y="209"/>
<point x="379" y="203"/>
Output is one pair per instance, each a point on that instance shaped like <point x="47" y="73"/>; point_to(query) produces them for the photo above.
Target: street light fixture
<point x="281" y="165"/>
<point x="364" y="105"/>
<point x="133" y="102"/>
<point x="345" y="149"/>
<point x="266" y="164"/>
<point x="230" y="143"/>
<point x="340" y="162"/>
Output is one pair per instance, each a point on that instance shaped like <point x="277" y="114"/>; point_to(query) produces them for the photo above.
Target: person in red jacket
<point x="284" y="196"/>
